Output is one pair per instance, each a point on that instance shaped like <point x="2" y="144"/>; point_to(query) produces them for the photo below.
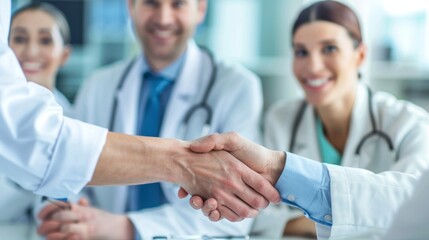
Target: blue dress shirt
<point x="305" y="184"/>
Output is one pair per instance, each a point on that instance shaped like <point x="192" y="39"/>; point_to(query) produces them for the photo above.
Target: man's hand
<point x="83" y="222"/>
<point x="239" y="190"/>
<point x="268" y="163"/>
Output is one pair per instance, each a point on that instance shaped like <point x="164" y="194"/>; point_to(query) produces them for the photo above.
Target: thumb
<point x="226" y="141"/>
<point x="204" y="144"/>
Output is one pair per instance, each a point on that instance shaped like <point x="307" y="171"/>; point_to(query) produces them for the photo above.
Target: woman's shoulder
<point x="387" y="104"/>
<point x="286" y="107"/>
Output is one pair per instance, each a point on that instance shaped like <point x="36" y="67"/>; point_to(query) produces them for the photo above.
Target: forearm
<point x="135" y="160"/>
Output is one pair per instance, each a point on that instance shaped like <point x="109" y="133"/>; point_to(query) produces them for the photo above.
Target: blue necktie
<point x="150" y="195"/>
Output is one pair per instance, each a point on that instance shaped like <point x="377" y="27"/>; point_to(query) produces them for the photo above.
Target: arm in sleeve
<point x="305" y="184"/>
<point x="40" y="149"/>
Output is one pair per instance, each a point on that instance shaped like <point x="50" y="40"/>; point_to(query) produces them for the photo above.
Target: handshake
<point x="243" y="183"/>
<point x="228" y="176"/>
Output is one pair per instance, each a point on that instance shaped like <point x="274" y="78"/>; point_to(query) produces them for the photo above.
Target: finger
<point x="48" y="210"/>
<point x="182" y="193"/>
<point x="48" y="227"/>
<point x="56" y="236"/>
<point x="209" y="206"/>
<point x="237" y="206"/>
<point x="66" y="217"/>
<point x="261" y="186"/>
<point x="228" y="214"/>
<point x="79" y="230"/>
<point x="215" y="216"/>
<point x="196" y="202"/>
<point x="84" y="202"/>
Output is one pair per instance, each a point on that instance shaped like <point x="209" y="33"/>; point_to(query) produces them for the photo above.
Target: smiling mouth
<point x="316" y="83"/>
<point x="31" y="66"/>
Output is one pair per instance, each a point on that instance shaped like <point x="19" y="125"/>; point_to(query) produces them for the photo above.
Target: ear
<point x="361" y="53"/>
<point x="202" y="10"/>
<point x="66" y="54"/>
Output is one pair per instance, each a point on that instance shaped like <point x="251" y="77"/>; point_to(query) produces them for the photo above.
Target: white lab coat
<point x="16" y="203"/>
<point x="236" y="101"/>
<point x="40" y="149"/>
<point x="405" y="123"/>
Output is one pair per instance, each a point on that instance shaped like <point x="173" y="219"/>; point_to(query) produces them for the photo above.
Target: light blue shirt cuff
<point x="305" y="184"/>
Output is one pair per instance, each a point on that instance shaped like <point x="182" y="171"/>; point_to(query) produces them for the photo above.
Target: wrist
<point x="277" y="165"/>
<point x="176" y="159"/>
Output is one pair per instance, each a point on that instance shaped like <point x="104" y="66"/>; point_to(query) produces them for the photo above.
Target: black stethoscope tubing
<point x="203" y="104"/>
<point x="374" y="131"/>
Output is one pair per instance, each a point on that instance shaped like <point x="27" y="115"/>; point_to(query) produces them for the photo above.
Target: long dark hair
<point x="334" y="12"/>
<point x="52" y="11"/>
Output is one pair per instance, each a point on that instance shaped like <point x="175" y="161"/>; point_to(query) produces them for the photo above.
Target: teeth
<point x="161" y="33"/>
<point x="316" y="82"/>
<point x="31" y="66"/>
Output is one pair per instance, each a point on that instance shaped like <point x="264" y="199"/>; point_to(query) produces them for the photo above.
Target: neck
<point x="158" y="65"/>
<point x="336" y="119"/>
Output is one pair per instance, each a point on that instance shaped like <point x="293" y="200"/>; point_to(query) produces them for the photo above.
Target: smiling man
<point x="153" y="94"/>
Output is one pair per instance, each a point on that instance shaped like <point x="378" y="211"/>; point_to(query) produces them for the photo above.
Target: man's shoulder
<point x="111" y="70"/>
<point x="236" y="71"/>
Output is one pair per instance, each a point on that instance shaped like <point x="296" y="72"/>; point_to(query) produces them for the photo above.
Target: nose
<point x="165" y="15"/>
<point x="315" y="63"/>
<point x="32" y="49"/>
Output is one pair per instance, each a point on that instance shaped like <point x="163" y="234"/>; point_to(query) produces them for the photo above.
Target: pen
<point x="59" y="202"/>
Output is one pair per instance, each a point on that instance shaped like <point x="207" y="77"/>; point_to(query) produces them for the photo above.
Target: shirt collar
<point x="172" y="71"/>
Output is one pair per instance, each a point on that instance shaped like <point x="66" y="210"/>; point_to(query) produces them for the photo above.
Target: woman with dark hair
<point x="340" y="121"/>
<point x="39" y="37"/>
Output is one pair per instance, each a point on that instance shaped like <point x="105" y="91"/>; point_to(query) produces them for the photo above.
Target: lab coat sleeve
<point x="172" y="219"/>
<point x="363" y="203"/>
<point x="40" y="149"/>
<point x="410" y="222"/>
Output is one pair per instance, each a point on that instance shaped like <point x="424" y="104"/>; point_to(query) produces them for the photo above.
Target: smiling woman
<point x="340" y="121"/>
<point x="39" y="37"/>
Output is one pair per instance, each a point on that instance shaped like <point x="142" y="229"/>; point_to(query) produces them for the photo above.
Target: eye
<point x="179" y="3"/>
<point x="19" y="39"/>
<point x="46" y="41"/>
<point x="328" y="49"/>
<point x="151" y="3"/>
<point x="300" y="53"/>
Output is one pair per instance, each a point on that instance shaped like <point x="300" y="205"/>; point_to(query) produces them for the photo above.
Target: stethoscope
<point x="374" y="132"/>
<point x="202" y="105"/>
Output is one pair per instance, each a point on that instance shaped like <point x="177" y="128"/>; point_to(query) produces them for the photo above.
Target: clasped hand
<point x="268" y="163"/>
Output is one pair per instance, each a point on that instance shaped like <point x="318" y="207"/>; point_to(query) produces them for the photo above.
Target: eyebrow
<point x="323" y="42"/>
<point x="19" y="29"/>
<point x="45" y="30"/>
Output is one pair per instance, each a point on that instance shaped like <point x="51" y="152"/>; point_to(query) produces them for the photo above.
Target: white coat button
<point x="328" y="218"/>
<point x="290" y="198"/>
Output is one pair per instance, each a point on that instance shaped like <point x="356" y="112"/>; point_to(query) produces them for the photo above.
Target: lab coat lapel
<point x="185" y="91"/>
<point x="128" y="98"/>
<point x="360" y="125"/>
<point x="306" y="141"/>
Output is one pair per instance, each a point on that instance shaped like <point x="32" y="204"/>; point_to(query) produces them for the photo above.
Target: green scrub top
<point x="329" y="153"/>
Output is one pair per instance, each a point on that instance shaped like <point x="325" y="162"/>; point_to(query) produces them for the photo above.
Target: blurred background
<point x="256" y="33"/>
